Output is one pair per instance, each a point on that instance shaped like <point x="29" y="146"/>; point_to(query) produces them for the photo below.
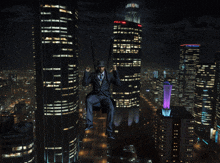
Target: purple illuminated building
<point x="166" y="99"/>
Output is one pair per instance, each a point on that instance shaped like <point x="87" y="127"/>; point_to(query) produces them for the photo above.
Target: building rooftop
<point x="19" y="130"/>
<point x="177" y="112"/>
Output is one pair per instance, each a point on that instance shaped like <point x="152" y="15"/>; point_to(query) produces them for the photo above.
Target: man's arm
<point x="116" y="79"/>
<point x="86" y="79"/>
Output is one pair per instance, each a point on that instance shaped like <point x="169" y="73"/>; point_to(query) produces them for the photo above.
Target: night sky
<point x="166" y="25"/>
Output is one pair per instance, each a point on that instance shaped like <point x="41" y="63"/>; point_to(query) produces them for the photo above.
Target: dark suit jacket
<point x="104" y="88"/>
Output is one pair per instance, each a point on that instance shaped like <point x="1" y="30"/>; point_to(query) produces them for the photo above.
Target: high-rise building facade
<point x="56" y="64"/>
<point x="17" y="141"/>
<point x="189" y="58"/>
<point x="175" y="135"/>
<point x="217" y="97"/>
<point x="127" y="57"/>
<point x="205" y="97"/>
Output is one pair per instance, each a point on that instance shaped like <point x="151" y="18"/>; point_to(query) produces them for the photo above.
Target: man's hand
<point x="114" y="67"/>
<point x="87" y="69"/>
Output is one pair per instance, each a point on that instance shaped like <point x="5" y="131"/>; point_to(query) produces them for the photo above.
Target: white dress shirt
<point x="99" y="76"/>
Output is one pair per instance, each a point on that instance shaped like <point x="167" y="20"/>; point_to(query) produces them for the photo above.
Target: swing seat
<point x="98" y="107"/>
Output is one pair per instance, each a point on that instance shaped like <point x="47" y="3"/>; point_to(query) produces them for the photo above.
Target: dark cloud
<point x="163" y="41"/>
<point x="18" y="20"/>
<point x="166" y="25"/>
<point x="22" y="13"/>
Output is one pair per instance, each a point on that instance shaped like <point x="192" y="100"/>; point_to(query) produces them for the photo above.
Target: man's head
<point x="101" y="66"/>
<point x="101" y="69"/>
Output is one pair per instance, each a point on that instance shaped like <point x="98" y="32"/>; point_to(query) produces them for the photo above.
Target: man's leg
<point x="90" y="101"/>
<point x="110" y="113"/>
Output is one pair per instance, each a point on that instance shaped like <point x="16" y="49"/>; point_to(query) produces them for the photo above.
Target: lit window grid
<point x="62" y="55"/>
<point x="127" y="46"/>
<point x="205" y="80"/>
<point x="61" y="8"/>
<point x="188" y="55"/>
<point x="127" y="102"/>
<point x="25" y="150"/>
<point x="185" y="143"/>
<point x="64" y="36"/>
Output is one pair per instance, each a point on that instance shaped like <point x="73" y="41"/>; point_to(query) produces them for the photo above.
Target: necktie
<point x="101" y="77"/>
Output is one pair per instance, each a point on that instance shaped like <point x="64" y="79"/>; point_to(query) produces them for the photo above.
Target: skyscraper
<point x="205" y="97"/>
<point x="189" y="58"/>
<point x="127" y="57"/>
<point x="217" y="97"/>
<point x="17" y="142"/>
<point x="175" y="135"/>
<point x="56" y="73"/>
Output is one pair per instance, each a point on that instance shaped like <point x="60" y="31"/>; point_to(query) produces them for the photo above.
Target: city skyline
<point x="162" y="33"/>
<point x="166" y="108"/>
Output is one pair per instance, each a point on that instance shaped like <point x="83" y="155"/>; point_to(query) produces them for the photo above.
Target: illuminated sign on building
<point x="121" y="22"/>
<point x="124" y="22"/>
<point x="191" y="45"/>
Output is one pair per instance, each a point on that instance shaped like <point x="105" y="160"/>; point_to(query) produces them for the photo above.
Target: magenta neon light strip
<point x="167" y="95"/>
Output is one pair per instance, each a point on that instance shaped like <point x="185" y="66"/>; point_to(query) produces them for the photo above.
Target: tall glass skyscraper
<point x="217" y="97"/>
<point x="127" y="57"/>
<point x="56" y="63"/>
<point x="189" y="58"/>
<point x="204" y="96"/>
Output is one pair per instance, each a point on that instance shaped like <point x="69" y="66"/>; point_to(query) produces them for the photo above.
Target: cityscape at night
<point x="92" y="81"/>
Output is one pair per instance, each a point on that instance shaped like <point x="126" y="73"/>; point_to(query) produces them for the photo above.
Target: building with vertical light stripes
<point x="127" y="57"/>
<point x="175" y="135"/>
<point x="205" y="97"/>
<point x="189" y="58"/>
<point x="56" y="65"/>
<point x="217" y="98"/>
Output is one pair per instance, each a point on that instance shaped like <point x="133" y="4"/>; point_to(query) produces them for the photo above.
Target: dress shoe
<point x="88" y="128"/>
<point x="110" y="136"/>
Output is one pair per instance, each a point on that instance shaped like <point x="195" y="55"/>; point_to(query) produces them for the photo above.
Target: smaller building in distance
<point x="17" y="142"/>
<point x="217" y="95"/>
<point x="205" y="97"/>
<point x="175" y="135"/>
<point x="189" y="58"/>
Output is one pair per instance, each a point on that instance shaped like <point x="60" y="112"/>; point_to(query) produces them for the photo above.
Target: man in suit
<point x="101" y="80"/>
